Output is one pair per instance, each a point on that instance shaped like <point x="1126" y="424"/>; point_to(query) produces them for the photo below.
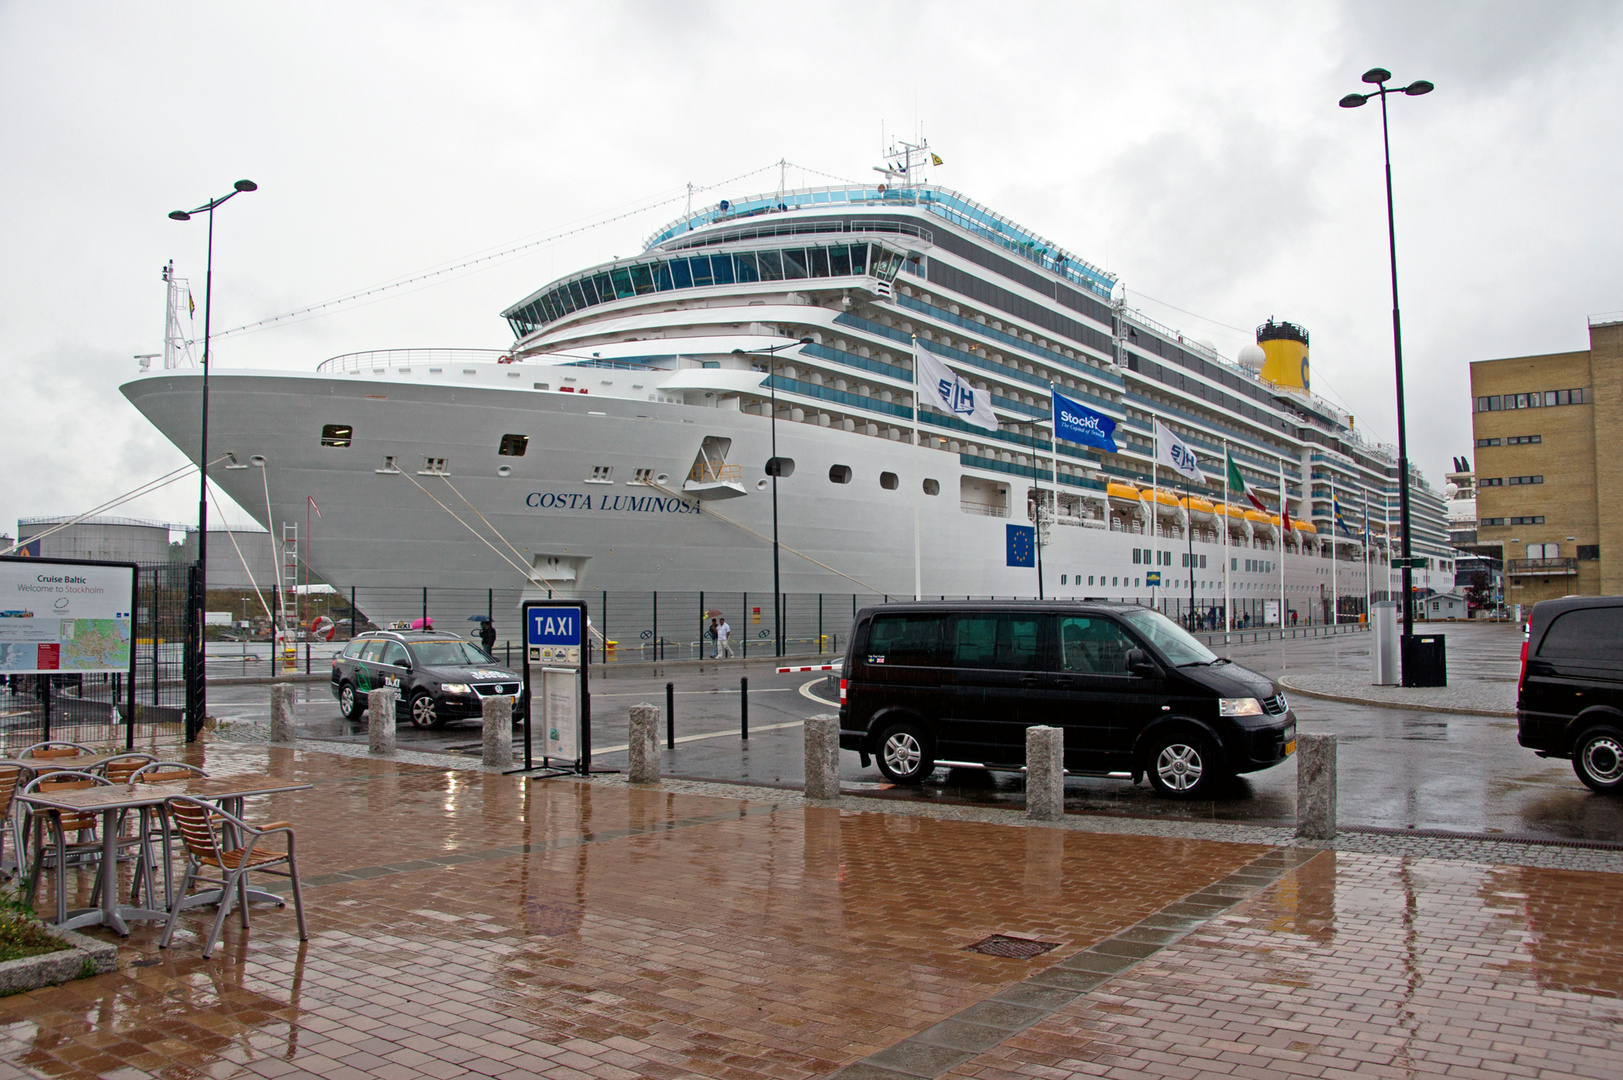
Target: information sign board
<point x="69" y="617"/>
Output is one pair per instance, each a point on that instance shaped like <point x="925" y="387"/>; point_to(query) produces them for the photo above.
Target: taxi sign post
<point x="556" y="688"/>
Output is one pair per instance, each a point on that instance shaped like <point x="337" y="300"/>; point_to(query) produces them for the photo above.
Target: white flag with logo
<point x="1175" y="454"/>
<point x="942" y="386"/>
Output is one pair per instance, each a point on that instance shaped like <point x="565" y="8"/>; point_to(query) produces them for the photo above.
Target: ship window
<point x="839" y="474"/>
<point x="514" y="445"/>
<point x="579" y="294"/>
<point x="601" y="474"/>
<point x="794" y="263"/>
<point x="641" y="476"/>
<point x="744" y="263"/>
<point x="433" y="466"/>
<point x="771" y="265"/>
<point x="700" y="264"/>
<point x="662" y="277"/>
<point x="722" y="267"/>
<point x="780" y="466"/>
<point x="681" y="273"/>
<point x="621" y="278"/>
<point x="337" y="434"/>
<point x="543" y="386"/>
<point x="1062" y="579"/>
<point x="859" y="258"/>
<point x="641" y="280"/>
<point x="932" y="487"/>
<point x="839" y="258"/>
<point x="888" y="481"/>
<point x="819" y="261"/>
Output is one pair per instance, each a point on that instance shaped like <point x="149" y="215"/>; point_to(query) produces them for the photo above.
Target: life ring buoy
<point x="322" y="627"/>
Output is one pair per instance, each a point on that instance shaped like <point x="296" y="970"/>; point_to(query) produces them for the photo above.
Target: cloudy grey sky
<point x="1194" y="149"/>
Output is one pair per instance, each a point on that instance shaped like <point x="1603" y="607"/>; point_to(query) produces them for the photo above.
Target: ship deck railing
<point x="384" y="359"/>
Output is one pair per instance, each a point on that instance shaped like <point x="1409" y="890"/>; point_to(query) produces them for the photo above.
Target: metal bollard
<point x="381" y="720"/>
<point x="744" y="708"/>
<point x="282" y="727"/>
<point x="644" y="745"/>
<point x="498" y="733"/>
<point x="670" y="716"/>
<point x="1045" y="773"/>
<point x="823" y="756"/>
<point x="1316" y="787"/>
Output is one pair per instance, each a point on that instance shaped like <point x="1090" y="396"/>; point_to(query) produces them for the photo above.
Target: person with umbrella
<point x="487" y="631"/>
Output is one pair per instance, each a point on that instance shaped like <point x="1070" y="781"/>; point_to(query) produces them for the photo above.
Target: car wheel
<point x="1597" y="758"/>
<point x="349" y="703"/>
<point x="905" y="754"/>
<point x="423" y="713"/>
<point x="1182" y="764"/>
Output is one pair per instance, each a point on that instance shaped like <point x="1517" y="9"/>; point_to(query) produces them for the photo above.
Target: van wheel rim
<point x="1179" y="766"/>
<point x="1603" y="759"/>
<point x="903" y="753"/>
<point x="422" y="712"/>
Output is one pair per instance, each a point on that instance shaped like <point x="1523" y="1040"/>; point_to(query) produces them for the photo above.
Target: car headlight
<point x="1239" y="706"/>
<point x="456" y="688"/>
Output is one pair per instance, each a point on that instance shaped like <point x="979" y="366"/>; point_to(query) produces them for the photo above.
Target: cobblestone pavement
<point x="465" y="923"/>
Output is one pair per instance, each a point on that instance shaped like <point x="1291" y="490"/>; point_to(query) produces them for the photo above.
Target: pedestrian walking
<point x="715" y="646"/>
<point x="723" y="645"/>
<point x="487" y="634"/>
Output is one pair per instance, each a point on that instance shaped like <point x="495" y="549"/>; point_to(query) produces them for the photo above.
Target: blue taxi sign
<point x="554" y="626"/>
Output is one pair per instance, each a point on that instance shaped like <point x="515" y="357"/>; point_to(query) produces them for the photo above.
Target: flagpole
<point x="1335" y="519"/>
<point x="1155" y="505"/>
<point x="918" y="571"/>
<point x="1037" y="512"/>
<point x="1228" y="602"/>
<point x="1189" y="537"/>
<point x="1284" y="519"/>
<point x="1366" y="554"/>
<point x="1053" y="453"/>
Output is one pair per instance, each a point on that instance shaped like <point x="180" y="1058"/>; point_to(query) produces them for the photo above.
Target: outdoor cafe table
<point x="110" y="801"/>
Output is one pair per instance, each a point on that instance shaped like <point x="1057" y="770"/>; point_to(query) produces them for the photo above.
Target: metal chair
<point x="10" y="777"/>
<point x="162" y="772"/>
<point x="62" y="823"/>
<point x="200" y="826"/>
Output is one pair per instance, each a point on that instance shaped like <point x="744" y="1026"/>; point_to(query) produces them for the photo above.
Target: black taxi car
<point x="440" y="677"/>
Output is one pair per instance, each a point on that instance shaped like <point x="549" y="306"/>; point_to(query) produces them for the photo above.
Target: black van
<point x="1569" y="699"/>
<point x="958" y="683"/>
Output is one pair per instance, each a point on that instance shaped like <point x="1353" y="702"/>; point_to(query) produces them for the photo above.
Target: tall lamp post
<point x="196" y="691"/>
<point x="773" y="467"/>
<point x="1379" y="78"/>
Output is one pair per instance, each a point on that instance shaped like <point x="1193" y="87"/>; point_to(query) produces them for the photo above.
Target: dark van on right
<point x="957" y="683"/>
<point x="1569" y="700"/>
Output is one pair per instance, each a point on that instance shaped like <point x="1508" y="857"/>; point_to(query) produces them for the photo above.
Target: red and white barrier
<point x="814" y="667"/>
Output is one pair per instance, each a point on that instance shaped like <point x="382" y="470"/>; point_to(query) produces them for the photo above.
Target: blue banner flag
<point x="1022" y="545"/>
<point x="1080" y="424"/>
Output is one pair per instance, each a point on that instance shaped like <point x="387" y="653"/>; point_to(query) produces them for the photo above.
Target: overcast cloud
<point x="1194" y="149"/>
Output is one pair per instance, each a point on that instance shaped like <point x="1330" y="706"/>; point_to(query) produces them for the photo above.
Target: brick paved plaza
<point x="465" y="923"/>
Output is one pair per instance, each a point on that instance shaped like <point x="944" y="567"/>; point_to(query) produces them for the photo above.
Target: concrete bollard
<point x="644" y="744"/>
<point x="1316" y="787"/>
<point x="380" y="720"/>
<point x="282" y="729"/>
<point x="498" y="734"/>
<point x="1045" y="773"/>
<point x="823" y="756"/>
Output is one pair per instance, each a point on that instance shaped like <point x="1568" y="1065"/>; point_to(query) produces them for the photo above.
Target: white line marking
<point x="805" y="692"/>
<point x="706" y="735"/>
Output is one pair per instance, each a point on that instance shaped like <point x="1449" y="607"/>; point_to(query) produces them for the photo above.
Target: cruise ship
<point x="622" y="440"/>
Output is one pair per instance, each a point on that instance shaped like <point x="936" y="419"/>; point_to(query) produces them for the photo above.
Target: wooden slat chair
<point x="200" y="826"/>
<point x="155" y="820"/>
<point x="42" y="751"/>
<point x="10" y="777"/>
<point x="63" y="823"/>
<point x="120" y="770"/>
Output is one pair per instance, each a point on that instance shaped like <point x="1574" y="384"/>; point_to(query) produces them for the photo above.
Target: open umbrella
<point x="479" y="618"/>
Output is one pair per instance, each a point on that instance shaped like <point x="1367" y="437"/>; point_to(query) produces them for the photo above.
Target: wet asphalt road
<point x="1398" y="768"/>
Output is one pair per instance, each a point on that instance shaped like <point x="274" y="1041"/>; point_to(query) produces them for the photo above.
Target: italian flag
<point x="1236" y="484"/>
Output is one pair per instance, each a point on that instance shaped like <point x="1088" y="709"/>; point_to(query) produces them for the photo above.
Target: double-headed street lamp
<point x="1379" y="78"/>
<point x="773" y="469"/>
<point x="196" y="693"/>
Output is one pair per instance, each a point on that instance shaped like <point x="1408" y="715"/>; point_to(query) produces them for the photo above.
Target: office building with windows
<point x="1546" y="430"/>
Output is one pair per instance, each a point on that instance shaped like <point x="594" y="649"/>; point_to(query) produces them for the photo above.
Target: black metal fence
<point x="95" y="709"/>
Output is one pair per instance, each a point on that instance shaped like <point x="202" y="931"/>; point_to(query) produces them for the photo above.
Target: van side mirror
<point x="1139" y="663"/>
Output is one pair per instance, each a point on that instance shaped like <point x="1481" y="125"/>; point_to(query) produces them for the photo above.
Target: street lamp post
<point x="1379" y="77"/>
<point x="772" y="469"/>
<point x="196" y="690"/>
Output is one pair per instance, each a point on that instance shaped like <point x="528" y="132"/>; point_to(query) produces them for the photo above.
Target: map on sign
<point x="67" y="617"/>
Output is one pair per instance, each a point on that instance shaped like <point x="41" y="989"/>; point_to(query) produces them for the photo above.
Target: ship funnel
<point x="1284" y="349"/>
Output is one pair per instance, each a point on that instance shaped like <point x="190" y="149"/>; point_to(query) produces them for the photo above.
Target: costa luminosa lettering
<point x="609" y="504"/>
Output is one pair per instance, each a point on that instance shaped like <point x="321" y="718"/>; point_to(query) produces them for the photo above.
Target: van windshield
<point x="1175" y="643"/>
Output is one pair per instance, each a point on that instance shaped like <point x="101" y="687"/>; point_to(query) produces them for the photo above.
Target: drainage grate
<point x="1013" y="947"/>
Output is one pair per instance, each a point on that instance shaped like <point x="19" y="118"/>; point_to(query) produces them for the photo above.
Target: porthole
<point x="932" y="487"/>
<point x="888" y="481"/>
<point x="839" y="474"/>
<point x="761" y="485"/>
<point x="662" y="478"/>
<point x="504" y="470"/>
<point x="780" y="466"/>
<point x="339" y="435"/>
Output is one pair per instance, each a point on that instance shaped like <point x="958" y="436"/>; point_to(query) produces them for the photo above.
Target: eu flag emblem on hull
<point x="1022" y="550"/>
